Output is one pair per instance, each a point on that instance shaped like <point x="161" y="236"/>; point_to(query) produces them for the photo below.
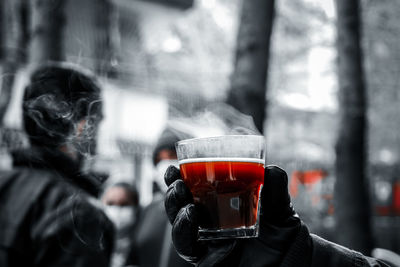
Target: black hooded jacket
<point x="49" y="215"/>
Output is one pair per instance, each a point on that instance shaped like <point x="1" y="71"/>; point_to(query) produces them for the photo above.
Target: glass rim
<point x="218" y="137"/>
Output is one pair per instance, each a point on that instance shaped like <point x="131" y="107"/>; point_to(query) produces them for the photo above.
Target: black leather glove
<point x="279" y="225"/>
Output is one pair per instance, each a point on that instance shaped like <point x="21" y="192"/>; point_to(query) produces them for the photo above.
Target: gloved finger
<point x="171" y="175"/>
<point x="178" y="195"/>
<point x="275" y="199"/>
<point x="185" y="233"/>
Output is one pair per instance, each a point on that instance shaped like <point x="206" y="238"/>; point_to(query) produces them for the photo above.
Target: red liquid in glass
<point x="227" y="190"/>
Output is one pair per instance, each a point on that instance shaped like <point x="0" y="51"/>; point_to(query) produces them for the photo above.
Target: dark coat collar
<point x="53" y="159"/>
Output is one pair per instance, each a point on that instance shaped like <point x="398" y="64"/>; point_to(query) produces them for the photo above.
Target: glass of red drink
<point x="225" y="175"/>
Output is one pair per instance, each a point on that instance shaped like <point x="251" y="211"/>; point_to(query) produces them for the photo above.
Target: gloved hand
<point x="279" y="225"/>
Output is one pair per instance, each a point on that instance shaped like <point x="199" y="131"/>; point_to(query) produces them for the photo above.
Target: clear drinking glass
<point x="225" y="175"/>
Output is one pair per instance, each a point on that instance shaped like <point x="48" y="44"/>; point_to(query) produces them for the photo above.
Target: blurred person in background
<point x="121" y="202"/>
<point x="49" y="215"/>
<point x="152" y="244"/>
<point x="164" y="154"/>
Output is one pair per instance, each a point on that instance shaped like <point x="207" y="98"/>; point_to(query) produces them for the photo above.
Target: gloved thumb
<point x="276" y="205"/>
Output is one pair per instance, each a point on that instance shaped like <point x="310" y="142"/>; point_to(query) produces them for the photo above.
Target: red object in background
<point x="383" y="210"/>
<point x="396" y="198"/>
<point x="228" y="190"/>
<point x="307" y="178"/>
<point x="329" y="199"/>
<point x="391" y="208"/>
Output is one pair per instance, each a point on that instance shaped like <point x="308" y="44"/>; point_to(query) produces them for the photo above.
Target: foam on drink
<point x="230" y="159"/>
<point x="226" y="189"/>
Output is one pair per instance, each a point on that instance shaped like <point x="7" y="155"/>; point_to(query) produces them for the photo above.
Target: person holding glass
<point x="281" y="239"/>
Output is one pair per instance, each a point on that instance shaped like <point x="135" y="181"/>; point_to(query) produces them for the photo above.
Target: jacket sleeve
<point x="71" y="231"/>
<point x="328" y="254"/>
<point x="309" y="250"/>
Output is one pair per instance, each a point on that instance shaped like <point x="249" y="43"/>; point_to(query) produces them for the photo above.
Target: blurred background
<point x="163" y="60"/>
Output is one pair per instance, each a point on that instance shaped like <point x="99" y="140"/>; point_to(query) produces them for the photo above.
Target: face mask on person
<point x="161" y="168"/>
<point x="122" y="216"/>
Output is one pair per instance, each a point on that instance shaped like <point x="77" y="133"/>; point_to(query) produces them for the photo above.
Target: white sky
<point x="321" y="81"/>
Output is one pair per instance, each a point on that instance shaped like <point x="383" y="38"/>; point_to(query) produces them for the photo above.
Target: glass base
<point x="243" y="232"/>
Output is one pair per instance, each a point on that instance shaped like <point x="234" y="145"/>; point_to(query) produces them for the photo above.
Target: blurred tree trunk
<point x="48" y="20"/>
<point x="249" y="79"/>
<point x="3" y="22"/>
<point x="352" y="206"/>
<point x="108" y="38"/>
<point x="13" y="41"/>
